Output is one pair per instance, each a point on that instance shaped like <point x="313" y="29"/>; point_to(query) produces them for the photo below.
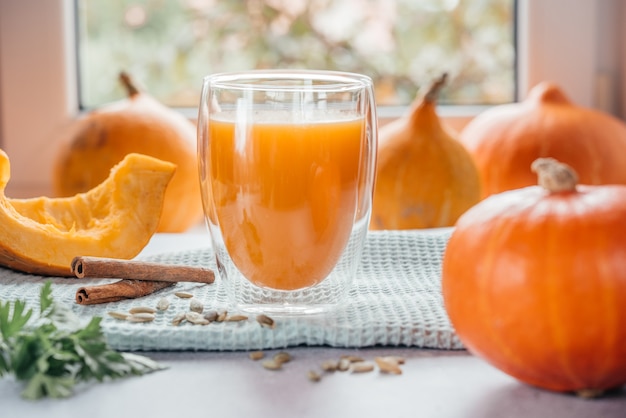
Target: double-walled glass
<point x="287" y="161"/>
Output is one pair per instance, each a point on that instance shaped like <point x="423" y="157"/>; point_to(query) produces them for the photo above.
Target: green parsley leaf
<point x="42" y="385"/>
<point x="12" y="320"/>
<point x="52" y="353"/>
<point x="45" y="297"/>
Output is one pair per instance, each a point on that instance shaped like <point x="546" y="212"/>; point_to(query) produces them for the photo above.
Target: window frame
<point x="39" y="97"/>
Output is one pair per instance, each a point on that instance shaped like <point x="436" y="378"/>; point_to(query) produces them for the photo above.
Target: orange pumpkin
<point x="506" y="139"/>
<point x="138" y="124"/>
<point x="534" y="281"/>
<point x="424" y="177"/>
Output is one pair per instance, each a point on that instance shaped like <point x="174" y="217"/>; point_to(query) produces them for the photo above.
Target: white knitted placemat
<point x="395" y="301"/>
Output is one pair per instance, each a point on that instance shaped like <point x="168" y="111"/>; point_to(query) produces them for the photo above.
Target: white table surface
<point x="434" y="383"/>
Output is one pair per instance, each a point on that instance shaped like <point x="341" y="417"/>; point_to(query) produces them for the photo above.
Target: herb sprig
<point x="52" y="353"/>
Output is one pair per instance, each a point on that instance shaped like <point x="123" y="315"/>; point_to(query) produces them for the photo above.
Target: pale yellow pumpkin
<point x="425" y="178"/>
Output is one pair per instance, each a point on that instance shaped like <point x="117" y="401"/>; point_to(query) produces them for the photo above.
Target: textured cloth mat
<point x="395" y="301"/>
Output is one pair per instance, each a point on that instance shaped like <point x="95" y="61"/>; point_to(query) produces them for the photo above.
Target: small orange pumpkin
<point x="138" y="124"/>
<point x="424" y="177"/>
<point x="534" y="281"/>
<point x="506" y="139"/>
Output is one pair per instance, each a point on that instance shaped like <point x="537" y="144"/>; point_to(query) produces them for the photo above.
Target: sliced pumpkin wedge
<point x="114" y="219"/>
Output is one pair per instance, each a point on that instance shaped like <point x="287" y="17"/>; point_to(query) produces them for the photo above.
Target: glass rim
<point x="283" y="80"/>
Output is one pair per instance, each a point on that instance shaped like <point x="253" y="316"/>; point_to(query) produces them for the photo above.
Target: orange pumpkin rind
<point x="533" y="282"/>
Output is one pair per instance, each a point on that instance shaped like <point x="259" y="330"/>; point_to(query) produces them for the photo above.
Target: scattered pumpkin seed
<point x="396" y="359"/>
<point x="388" y="365"/>
<point x="282" y="357"/>
<point x="330" y="365"/>
<point x="141" y="317"/>
<point x="211" y="316"/>
<point x="142" y="309"/>
<point x="362" y="367"/>
<point x="118" y="315"/>
<point x="180" y="317"/>
<point x="256" y="355"/>
<point x="272" y="365"/>
<point x="222" y="316"/>
<point x="352" y="359"/>
<point x="589" y="393"/>
<point x="183" y="295"/>
<point x="163" y="304"/>
<point x="314" y="376"/>
<point x="195" y="318"/>
<point x="236" y="318"/>
<point x="344" y="365"/>
<point x="195" y="305"/>
<point x="266" y="321"/>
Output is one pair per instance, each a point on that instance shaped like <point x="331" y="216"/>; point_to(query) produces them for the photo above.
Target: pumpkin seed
<point x="142" y="309"/>
<point x="266" y="321"/>
<point x="344" y="365"/>
<point x="362" y="367"/>
<point x="222" y="316"/>
<point x="314" y="376"/>
<point x="396" y="359"/>
<point x="589" y="393"/>
<point x="256" y="355"/>
<point x="163" y="304"/>
<point x="183" y="295"/>
<point x="352" y="359"/>
<point x="141" y="317"/>
<point x="118" y="315"/>
<point x="195" y="305"/>
<point x="388" y="365"/>
<point x="236" y="318"/>
<point x="196" y="319"/>
<point x="330" y="365"/>
<point x="282" y="357"/>
<point x="272" y="365"/>
<point x="211" y="316"/>
<point x="180" y="317"/>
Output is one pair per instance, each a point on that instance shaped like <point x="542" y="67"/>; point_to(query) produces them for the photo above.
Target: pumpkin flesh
<point x="115" y="219"/>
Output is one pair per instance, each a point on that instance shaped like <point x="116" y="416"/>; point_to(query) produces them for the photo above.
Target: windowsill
<point x="454" y="117"/>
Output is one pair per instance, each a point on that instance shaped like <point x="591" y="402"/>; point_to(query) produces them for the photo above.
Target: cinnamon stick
<point x="100" y="267"/>
<point x="120" y="290"/>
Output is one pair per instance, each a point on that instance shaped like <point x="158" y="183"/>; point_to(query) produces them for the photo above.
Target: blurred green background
<point x="168" y="46"/>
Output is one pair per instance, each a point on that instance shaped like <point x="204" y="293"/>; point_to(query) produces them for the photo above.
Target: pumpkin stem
<point x="433" y="90"/>
<point x="554" y="176"/>
<point x="129" y="85"/>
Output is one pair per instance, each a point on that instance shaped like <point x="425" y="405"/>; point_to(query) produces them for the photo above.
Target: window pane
<point x="170" y="45"/>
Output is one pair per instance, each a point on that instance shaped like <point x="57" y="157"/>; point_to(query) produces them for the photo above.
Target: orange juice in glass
<point x="286" y="167"/>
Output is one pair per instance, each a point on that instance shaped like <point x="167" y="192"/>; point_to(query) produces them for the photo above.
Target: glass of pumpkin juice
<point x="286" y="161"/>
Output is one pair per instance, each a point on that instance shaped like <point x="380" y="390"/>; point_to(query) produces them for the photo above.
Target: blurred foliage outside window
<point x="168" y="46"/>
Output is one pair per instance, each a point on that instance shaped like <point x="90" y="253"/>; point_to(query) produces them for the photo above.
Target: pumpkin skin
<point x="425" y="178"/>
<point x="138" y="124"/>
<point x="115" y="219"/>
<point x="535" y="282"/>
<point x="506" y="139"/>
